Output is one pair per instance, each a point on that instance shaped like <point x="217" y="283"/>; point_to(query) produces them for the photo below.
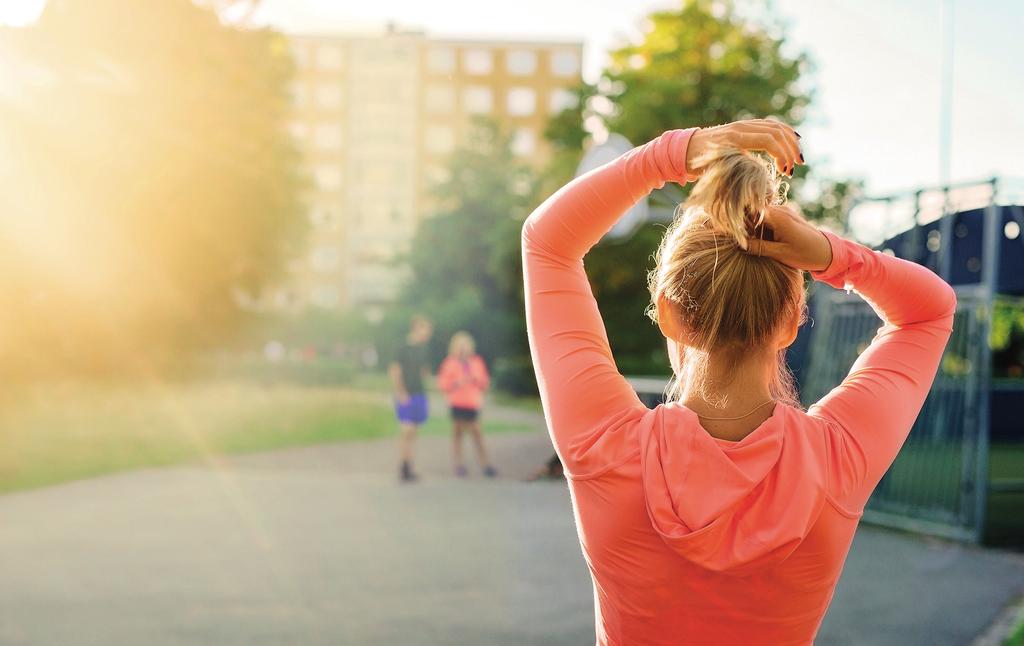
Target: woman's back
<point x="700" y="540"/>
<point x="693" y="539"/>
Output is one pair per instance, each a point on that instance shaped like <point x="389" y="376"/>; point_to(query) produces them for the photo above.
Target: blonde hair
<point x="728" y="302"/>
<point x="461" y="339"/>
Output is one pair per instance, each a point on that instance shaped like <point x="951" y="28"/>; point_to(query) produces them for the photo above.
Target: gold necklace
<point x="748" y="414"/>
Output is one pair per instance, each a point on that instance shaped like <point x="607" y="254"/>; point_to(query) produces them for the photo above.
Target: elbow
<point x="948" y="299"/>
<point x="527" y="235"/>
<point x="946" y="306"/>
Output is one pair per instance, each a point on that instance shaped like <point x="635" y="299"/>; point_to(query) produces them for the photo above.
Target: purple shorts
<point x="413" y="411"/>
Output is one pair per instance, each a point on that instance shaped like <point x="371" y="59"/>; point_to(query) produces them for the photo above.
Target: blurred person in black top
<point x="408" y="372"/>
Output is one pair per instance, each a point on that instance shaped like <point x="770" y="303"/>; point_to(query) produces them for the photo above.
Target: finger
<point x="755" y="137"/>
<point x="789" y="139"/>
<point x="778" y="217"/>
<point x="779" y="220"/>
<point x="765" y="248"/>
<point x="764" y="135"/>
<point x="786" y="150"/>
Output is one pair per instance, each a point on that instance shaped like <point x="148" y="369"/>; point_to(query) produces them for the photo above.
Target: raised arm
<point x="580" y="387"/>
<point x="871" y="413"/>
<point x="481" y="376"/>
<point x="584" y="395"/>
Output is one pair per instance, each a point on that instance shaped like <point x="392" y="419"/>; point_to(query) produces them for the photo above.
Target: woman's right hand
<point x="775" y="138"/>
<point x="795" y="241"/>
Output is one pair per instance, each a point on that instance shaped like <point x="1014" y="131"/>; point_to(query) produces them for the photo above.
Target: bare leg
<point x="478" y="439"/>
<point x="407" y="442"/>
<point x="457" y="428"/>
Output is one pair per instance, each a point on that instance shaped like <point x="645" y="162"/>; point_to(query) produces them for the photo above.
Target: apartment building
<point x="377" y="117"/>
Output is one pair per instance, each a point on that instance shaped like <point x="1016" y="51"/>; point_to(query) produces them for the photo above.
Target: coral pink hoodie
<point x="692" y="539"/>
<point x="464" y="381"/>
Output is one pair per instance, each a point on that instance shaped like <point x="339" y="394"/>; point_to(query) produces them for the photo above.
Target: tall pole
<point x="946" y="29"/>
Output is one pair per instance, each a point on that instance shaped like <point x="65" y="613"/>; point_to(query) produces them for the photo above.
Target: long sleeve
<point x="581" y="389"/>
<point x="480" y="374"/>
<point x="871" y="413"/>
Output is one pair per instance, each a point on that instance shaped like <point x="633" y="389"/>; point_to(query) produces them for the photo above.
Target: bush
<point x="514" y="375"/>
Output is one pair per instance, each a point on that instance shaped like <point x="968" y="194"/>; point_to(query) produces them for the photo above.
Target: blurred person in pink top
<point x="463" y="378"/>
<point x="723" y="516"/>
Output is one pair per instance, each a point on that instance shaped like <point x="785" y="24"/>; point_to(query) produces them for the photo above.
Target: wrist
<point x="702" y="142"/>
<point x="827" y="254"/>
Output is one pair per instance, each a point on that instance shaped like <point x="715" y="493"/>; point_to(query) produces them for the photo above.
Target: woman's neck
<point x="736" y="389"/>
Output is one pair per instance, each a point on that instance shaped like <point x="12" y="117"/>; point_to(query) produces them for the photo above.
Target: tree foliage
<point x="154" y="175"/>
<point x="465" y="271"/>
<point x="702" y="63"/>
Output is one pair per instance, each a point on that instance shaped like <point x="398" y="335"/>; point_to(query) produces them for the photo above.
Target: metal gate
<point x="938" y="483"/>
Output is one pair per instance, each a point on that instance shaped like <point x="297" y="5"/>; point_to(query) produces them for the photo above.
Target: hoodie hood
<point x="732" y="506"/>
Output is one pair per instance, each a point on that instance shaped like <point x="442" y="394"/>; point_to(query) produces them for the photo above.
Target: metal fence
<point x="938" y="482"/>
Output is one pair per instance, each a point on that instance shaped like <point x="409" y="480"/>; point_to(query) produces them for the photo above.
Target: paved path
<point x="320" y="545"/>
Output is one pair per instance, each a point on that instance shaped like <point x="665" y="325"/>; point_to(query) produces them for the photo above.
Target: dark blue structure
<point x="943" y="481"/>
<point x="926" y="244"/>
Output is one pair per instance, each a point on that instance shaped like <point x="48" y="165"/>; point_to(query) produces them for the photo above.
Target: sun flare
<point x="17" y="13"/>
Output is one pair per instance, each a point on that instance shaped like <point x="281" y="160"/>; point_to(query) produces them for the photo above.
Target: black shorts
<point x="460" y="414"/>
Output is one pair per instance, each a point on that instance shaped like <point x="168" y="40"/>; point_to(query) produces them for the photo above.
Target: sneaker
<point x="406" y="474"/>
<point x="460" y="471"/>
<point x="490" y="472"/>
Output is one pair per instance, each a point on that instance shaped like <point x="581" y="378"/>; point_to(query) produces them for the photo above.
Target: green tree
<point x="154" y="176"/>
<point x="702" y="63"/>
<point x="464" y="262"/>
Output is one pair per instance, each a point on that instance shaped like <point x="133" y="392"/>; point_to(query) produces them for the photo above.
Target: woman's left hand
<point x="775" y="138"/>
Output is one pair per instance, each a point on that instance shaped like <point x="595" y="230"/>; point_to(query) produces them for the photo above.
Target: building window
<point x="325" y="258"/>
<point x="328" y="96"/>
<point x="329" y="57"/>
<point x="521" y="62"/>
<point x="524" y="141"/>
<point x="478" y="61"/>
<point x="441" y="60"/>
<point x="328" y="178"/>
<point x="440" y="99"/>
<point x="298" y="130"/>
<point x="327" y="137"/>
<point x="565" y="63"/>
<point x="522" y="101"/>
<point x="478" y="99"/>
<point x="562" y="99"/>
<point x="325" y="296"/>
<point x="440" y="140"/>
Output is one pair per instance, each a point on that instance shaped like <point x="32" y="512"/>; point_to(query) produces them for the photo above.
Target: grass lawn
<point x="1016" y="637"/>
<point x="70" y="431"/>
<point x="926" y="477"/>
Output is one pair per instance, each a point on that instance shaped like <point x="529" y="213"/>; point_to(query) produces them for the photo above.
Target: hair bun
<point x="733" y="192"/>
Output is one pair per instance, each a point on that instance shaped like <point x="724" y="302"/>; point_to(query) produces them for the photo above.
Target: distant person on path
<point x="409" y="372"/>
<point x="723" y="516"/>
<point x="463" y="379"/>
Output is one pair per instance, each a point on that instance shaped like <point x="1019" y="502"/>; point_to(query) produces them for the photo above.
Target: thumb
<point x="766" y="248"/>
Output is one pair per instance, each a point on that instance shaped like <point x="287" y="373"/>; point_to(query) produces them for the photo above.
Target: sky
<point x="878" y="70"/>
<point x="877" y="110"/>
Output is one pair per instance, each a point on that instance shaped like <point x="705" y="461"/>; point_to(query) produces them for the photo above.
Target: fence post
<point x="990" y="250"/>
